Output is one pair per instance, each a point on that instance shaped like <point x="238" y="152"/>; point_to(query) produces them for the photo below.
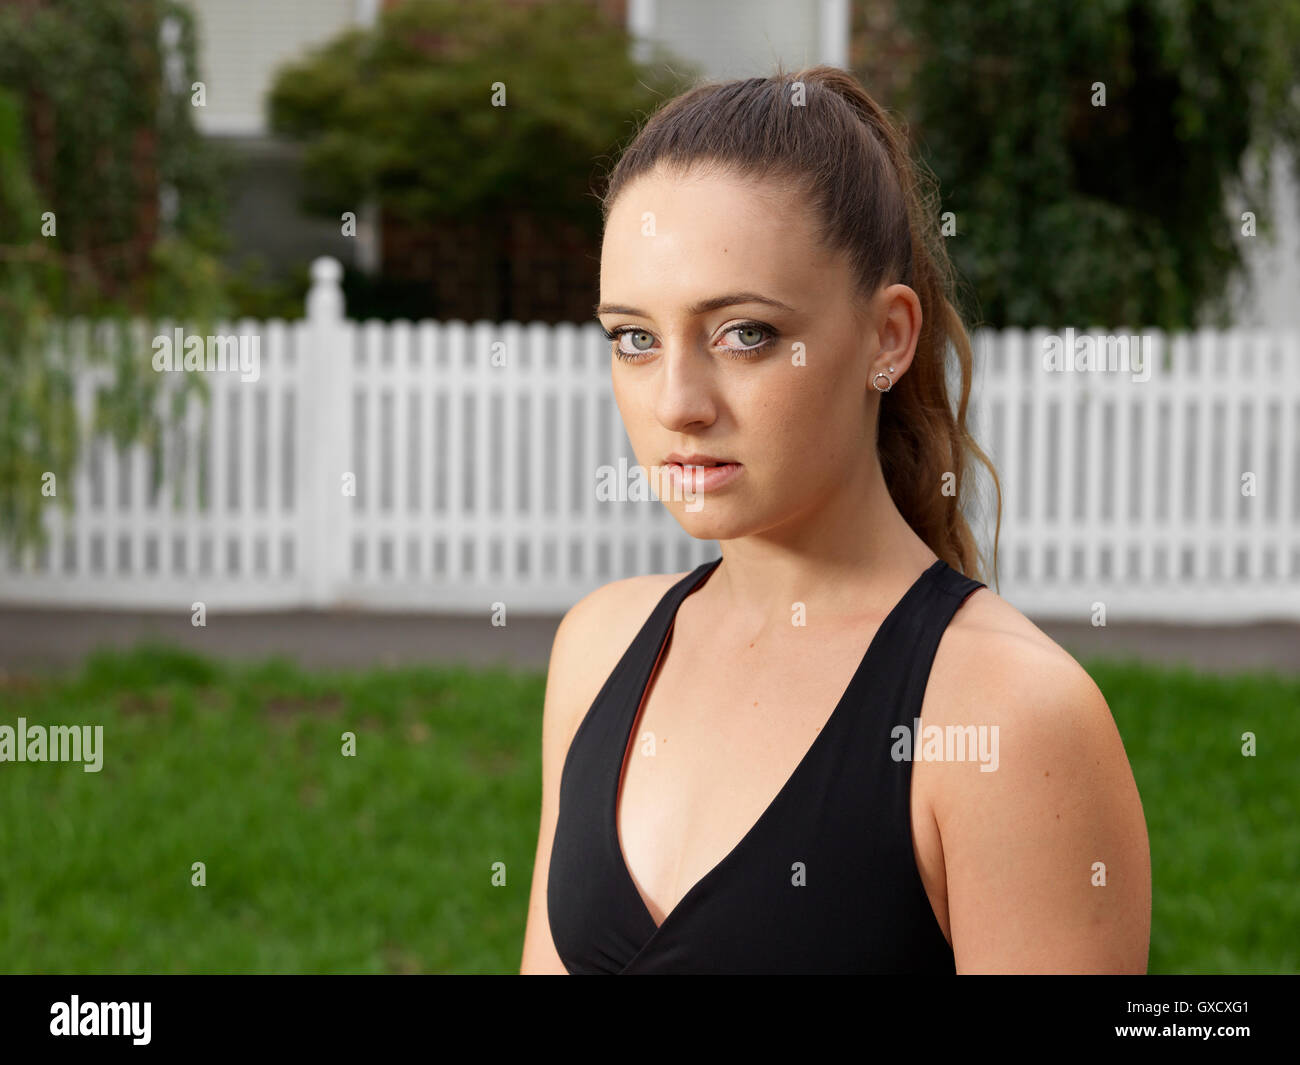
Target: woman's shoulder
<point x="995" y="667"/>
<point x="1033" y="830"/>
<point x="613" y="613"/>
<point x="997" y="654"/>
<point x="594" y="634"/>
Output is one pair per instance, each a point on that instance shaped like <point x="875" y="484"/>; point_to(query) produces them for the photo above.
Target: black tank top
<point x="824" y="882"/>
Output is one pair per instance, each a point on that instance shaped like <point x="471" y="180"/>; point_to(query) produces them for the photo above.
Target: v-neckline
<point x="798" y="770"/>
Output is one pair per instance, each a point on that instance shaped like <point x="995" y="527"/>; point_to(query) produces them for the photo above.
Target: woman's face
<point x="777" y="379"/>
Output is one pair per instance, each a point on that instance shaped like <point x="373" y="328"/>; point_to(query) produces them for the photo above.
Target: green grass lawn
<point x="383" y="862"/>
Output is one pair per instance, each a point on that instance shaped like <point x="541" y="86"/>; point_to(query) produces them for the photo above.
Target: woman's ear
<point x="898" y="318"/>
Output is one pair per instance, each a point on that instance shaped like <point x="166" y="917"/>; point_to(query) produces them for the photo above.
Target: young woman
<point x="829" y="750"/>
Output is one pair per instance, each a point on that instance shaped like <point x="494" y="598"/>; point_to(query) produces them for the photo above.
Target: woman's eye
<point x="637" y="337"/>
<point x="641" y="342"/>
<point x="754" y="337"/>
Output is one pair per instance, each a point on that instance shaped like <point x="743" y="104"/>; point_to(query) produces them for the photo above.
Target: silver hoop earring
<point x="887" y="378"/>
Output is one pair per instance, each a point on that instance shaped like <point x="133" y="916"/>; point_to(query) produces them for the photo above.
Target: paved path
<point x="33" y="640"/>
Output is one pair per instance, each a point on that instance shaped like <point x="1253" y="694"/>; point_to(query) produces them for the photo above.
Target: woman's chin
<point x="706" y="524"/>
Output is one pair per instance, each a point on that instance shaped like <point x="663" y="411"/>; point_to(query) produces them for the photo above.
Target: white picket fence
<point x="1175" y="498"/>
<point x="476" y="448"/>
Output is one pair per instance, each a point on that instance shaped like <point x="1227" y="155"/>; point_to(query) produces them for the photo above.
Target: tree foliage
<point x="1071" y="213"/>
<point x="405" y="113"/>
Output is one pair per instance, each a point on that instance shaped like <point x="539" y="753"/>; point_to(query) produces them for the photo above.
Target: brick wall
<point x="114" y="264"/>
<point x="546" y="272"/>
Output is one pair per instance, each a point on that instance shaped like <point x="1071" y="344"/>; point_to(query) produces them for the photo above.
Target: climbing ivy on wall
<point x="109" y="208"/>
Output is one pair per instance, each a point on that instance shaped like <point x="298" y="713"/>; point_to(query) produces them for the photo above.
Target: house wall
<point x="1273" y="300"/>
<point x="241" y="46"/>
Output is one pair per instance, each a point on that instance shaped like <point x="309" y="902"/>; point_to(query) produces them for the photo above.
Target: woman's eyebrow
<point x="703" y="306"/>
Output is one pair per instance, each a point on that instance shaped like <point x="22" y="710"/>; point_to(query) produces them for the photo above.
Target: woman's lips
<point x="703" y="478"/>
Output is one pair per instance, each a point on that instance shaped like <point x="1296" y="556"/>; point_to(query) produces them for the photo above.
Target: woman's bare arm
<point x="539" y="954"/>
<point x="1047" y="858"/>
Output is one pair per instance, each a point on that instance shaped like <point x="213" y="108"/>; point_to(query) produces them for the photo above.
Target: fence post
<point x="325" y="372"/>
